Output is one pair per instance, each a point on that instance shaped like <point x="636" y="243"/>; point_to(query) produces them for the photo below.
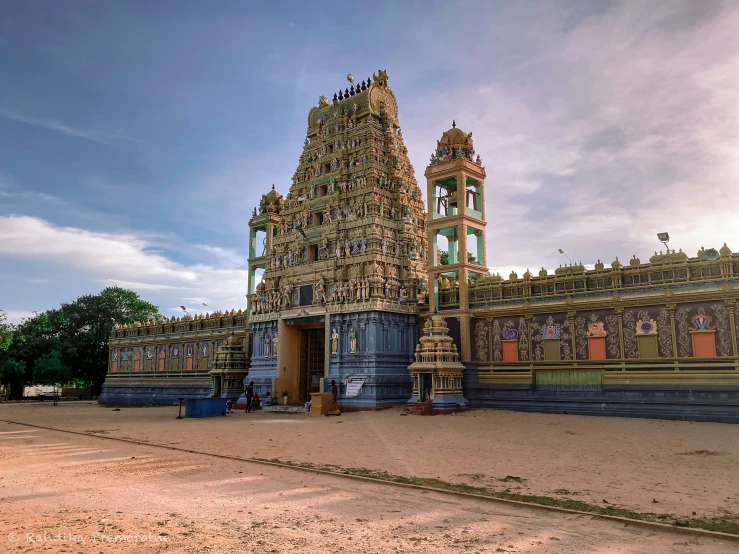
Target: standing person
<point x="334" y="409"/>
<point x="249" y="393"/>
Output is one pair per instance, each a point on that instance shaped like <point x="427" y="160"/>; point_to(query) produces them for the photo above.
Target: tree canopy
<point x="76" y="334"/>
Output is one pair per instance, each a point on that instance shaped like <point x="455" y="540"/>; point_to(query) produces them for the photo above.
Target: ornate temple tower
<point x="437" y="372"/>
<point x="345" y="271"/>
<point x="456" y="227"/>
<point x="231" y="366"/>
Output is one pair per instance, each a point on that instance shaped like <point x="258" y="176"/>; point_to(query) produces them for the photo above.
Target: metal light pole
<point x="565" y="255"/>
<point x="664" y="238"/>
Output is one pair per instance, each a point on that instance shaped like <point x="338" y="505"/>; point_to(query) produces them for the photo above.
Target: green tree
<point x="6" y="332"/>
<point x="12" y="377"/>
<point x="49" y="370"/>
<point x="86" y="325"/>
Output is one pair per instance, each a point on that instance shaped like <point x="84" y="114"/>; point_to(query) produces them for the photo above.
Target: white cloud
<point x="126" y="259"/>
<point x="622" y="126"/>
<point x="95" y="136"/>
<point x="17" y="316"/>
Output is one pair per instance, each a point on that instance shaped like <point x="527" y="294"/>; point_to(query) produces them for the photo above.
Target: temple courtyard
<point x="77" y="493"/>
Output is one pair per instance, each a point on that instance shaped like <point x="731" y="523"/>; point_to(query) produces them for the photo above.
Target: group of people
<point x="252" y="399"/>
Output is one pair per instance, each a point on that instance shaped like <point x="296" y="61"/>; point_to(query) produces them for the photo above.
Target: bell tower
<point x="456" y="224"/>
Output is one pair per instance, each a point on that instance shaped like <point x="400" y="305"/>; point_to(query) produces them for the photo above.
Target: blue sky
<point x="135" y="137"/>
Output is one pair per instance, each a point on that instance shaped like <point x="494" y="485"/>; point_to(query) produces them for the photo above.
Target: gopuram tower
<point x="344" y="258"/>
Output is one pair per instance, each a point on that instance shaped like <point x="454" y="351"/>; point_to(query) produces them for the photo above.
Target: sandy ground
<point x="683" y="468"/>
<point x="77" y="494"/>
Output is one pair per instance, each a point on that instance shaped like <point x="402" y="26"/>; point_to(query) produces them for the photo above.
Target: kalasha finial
<point x="273" y="186"/>
<point x="454" y="124"/>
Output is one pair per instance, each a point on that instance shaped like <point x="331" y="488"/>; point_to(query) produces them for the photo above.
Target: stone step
<point x="285" y="409"/>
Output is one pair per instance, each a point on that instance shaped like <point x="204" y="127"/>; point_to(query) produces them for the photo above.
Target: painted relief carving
<point x="509" y="331"/>
<point x="596" y="328"/>
<point x="581" y="337"/>
<point x="497" y="348"/>
<point x="481" y="340"/>
<point x="646" y="326"/>
<point x="612" y="341"/>
<point x="684" y="344"/>
<point x="334" y="341"/>
<point x="523" y="341"/>
<point x="723" y="329"/>
<point x="352" y="340"/>
<point x="665" y="334"/>
<point x="267" y="345"/>
<point x="629" y="327"/>
<point x="551" y="330"/>
<point x="564" y="342"/>
<point x="702" y="322"/>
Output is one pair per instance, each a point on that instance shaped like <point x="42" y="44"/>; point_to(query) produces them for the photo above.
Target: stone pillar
<point x="671" y="308"/>
<point x="465" y="331"/>
<point x="571" y="319"/>
<point x="731" y="306"/>
<point x="270" y="231"/>
<point x="461" y="193"/>
<point x="620" y="316"/>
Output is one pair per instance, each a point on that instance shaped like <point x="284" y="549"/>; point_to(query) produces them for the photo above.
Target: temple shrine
<point x="357" y="277"/>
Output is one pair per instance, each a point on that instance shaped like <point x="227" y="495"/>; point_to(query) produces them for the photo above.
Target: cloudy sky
<point x="135" y="137"/>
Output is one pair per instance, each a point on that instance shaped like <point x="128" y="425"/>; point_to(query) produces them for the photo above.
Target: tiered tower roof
<point x="353" y="221"/>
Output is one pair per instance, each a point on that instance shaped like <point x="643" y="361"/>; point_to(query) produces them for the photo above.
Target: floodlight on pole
<point x="185" y="310"/>
<point x="211" y="307"/>
<point x="565" y="255"/>
<point x="664" y="238"/>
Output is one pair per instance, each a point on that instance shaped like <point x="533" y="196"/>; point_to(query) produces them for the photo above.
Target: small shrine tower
<point x="456" y="227"/>
<point x="437" y="372"/>
<point x="231" y="366"/>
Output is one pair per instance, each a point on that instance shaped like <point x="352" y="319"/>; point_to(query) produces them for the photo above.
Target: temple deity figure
<point x="364" y="246"/>
<point x="347" y="248"/>
<point x="355" y="246"/>
<point x="387" y="289"/>
<point x="274" y="345"/>
<point x="337" y="249"/>
<point x="320" y="291"/>
<point x="384" y="246"/>
<point x="403" y="294"/>
<point x="267" y="345"/>
<point x="352" y="340"/>
<point x="327" y="215"/>
<point x="312" y="191"/>
<point x="334" y="342"/>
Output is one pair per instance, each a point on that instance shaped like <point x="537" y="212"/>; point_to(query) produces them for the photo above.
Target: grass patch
<point x="728" y="523"/>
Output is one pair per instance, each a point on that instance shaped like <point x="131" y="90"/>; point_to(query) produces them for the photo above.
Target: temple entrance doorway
<point x="312" y="360"/>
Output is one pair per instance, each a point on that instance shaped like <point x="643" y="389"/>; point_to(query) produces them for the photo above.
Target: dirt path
<point x="658" y="466"/>
<point x="67" y="493"/>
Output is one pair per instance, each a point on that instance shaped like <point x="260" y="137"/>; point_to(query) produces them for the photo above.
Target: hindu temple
<point x="357" y="276"/>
